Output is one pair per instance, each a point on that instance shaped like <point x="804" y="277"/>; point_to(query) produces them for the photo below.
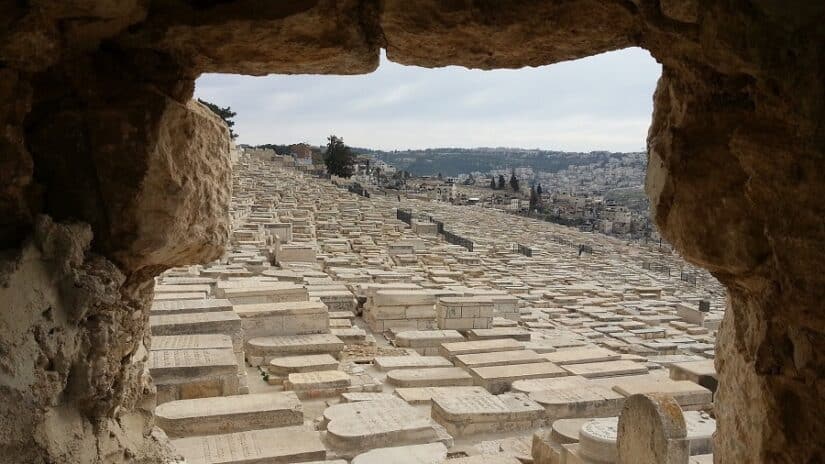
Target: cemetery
<point x="339" y="328"/>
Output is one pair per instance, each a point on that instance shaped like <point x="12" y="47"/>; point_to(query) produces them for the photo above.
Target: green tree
<point x="493" y="183"/>
<point x="224" y="113"/>
<point x="501" y="182"/>
<point x="338" y="158"/>
<point x="535" y="201"/>
<point x="514" y="181"/>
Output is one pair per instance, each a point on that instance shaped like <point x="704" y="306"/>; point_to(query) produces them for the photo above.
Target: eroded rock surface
<point x="96" y="128"/>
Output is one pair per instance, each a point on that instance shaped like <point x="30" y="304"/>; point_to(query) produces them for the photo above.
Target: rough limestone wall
<point x="133" y="181"/>
<point x="736" y="156"/>
<point x="92" y="105"/>
<point x="72" y="376"/>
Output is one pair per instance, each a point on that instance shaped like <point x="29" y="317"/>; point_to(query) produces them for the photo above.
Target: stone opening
<point x="106" y="180"/>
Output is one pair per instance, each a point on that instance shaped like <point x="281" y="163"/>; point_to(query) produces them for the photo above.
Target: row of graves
<point x="333" y="332"/>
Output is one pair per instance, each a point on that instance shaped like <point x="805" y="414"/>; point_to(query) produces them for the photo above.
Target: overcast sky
<point x="602" y="102"/>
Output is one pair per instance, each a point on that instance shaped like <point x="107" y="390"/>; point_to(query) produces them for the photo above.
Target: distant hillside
<point x="455" y="161"/>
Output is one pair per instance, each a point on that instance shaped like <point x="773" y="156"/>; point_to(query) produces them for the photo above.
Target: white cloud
<point x="601" y="102"/>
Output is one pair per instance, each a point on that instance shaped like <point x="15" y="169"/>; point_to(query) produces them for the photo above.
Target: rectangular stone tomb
<point x="261" y="350"/>
<point x="430" y="453"/>
<point x="499" y="332"/>
<point x="701" y="372"/>
<point x="275" y="292"/>
<point x="688" y="394"/>
<point x="337" y="300"/>
<point x="221" y="322"/>
<point x="556" y="383"/>
<point x="282" y="367"/>
<point x="498" y="358"/>
<point x="388" y="363"/>
<point x="287" y="318"/>
<point x="464" y="414"/>
<point x="191" y="342"/>
<point x="204" y="289"/>
<point x="350" y="336"/>
<point x="579" y="401"/>
<point x="464" y="313"/>
<point x="355" y="397"/>
<point x="498" y="379"/>
<point x="178" y="296"/>
<point x="403" y="298"/>
<point x="355" y="427"/>
<point x="581" y="355"/>
<point x="319" y="384"/>
<point x="426" y="342"/>
<point x="606" y="369"/>
<point x="429" y="377"/>
<point x="190" y="306"/>
<point x="278" y="445"/>
<point x="295" y="254"/>
<point x="229" y="414"/>
<point x="424" y="395"/>
<point x="187" y="374"/>
<point x="451" y="350"/>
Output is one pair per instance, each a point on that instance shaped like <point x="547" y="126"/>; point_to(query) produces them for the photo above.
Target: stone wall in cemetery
<point x="98" y="136"/>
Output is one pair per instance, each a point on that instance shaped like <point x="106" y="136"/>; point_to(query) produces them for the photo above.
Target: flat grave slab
<point x="498" y="379"/>
<point x="429" y="377"/>
<point x="190" y="306"/>
<point x="262" y="292"/>
<point x="262" y="349"/>
<point x="352" y="335"/>
<point x="498" y="333"/>
<point x="498" y="358"/>
<point x="341" y="315"/>
<point x="355" y="427"/>
<point x="606" y="369"/>
<point x="318" y="384"/>
<point x="191" y="342"/>
<point x="199" y="373"/>
<point x="219" y="322"/>
<point x="282" y="367"/>
<point x="472" y="412"/>
<point x="554" y="383"/>
<point x="432" y="453"/>
<point x="450" y="350"/>
<point x="205" y="289"/>
<point x="424" y="395"/>
<point x="404" y="297"/>
<point x="688" y="394"/>
<point x="355" y="397"/>
<point x="278" y="445"/>
<point x="387" y="363"/>
<point x="284" y="318"/>
<point x="179" y="296"/>
<point x="426" y="342"/>
<point x="579" y="401"/>
<point x="485" y="459"/>
<point x="701" y="372"/>
<point x="229" y="414"/>
<point x="581" y="355"/>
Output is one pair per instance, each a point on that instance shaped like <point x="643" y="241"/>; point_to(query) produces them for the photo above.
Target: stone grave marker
<point x="355" y="427"/>
<point x="652" y="430"/>
<point x="228" y="414"/>
<point x="278" y="445"/>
